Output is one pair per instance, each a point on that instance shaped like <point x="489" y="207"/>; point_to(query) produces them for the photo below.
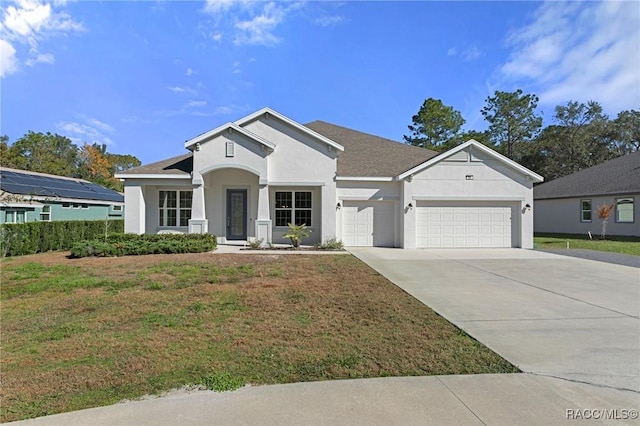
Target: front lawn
<point x="624" y="245"/>
<point x="90" y="332"/>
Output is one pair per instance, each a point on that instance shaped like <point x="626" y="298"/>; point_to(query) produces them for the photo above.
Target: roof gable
<point x="310" y="132"/>
<point x="190" y="144"/>
<point x="473" y="144"/>
<point x="367" y="155"/>
<point x="618" y="176"/>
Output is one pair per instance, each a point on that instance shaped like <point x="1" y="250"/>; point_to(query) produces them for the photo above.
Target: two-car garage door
<point x="463" y="224"/>
<point x="438" y="224"/>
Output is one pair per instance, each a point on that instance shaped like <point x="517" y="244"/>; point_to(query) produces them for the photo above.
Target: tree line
<point x="581" y="135"/>
<point x="58" y="155"/>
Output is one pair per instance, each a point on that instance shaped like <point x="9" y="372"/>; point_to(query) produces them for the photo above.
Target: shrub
<point x="37" y="237"/>
<point x="296" y="234"/>
<point x="134" y="244"/>
<point x="330" y="244"/>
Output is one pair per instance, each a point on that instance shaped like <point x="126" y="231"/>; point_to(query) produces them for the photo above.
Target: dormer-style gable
<point x="193" y="144"/>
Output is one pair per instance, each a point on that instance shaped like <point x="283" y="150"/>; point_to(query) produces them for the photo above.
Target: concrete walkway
<point x="550" y="315"/>
<point x="501" y="399"/>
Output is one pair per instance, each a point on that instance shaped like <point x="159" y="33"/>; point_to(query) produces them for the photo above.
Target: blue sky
<point x="143" y="77"/>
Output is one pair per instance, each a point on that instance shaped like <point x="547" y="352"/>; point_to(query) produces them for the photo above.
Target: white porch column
<point x="135" y="209"/>
<point x="198" y="224"/>
<point x="263" y="222"/>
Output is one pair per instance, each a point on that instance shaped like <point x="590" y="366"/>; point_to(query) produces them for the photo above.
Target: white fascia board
<point x="153" y="176"/>
<point x="287" y="183"/>
<point x="20" y="205"/>
<point x="218" y="130"/>
<point x="463" y="198"/>
<point x="366" y="179"/>
<point x="298" y="126"/>
<point x="476" y="145"/>
<point x="367" y="198"/>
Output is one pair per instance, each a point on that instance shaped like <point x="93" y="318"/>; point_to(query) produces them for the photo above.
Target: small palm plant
<point x="604" y="213"/>
<point x="296" y="234"/>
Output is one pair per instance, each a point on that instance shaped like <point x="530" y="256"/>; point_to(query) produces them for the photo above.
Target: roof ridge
<point x="49" y="175"/>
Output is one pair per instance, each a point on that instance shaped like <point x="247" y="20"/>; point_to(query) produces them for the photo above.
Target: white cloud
<point x="28" y="23"/>
<point x="259" y="30"/>
<point x="182" y="89"/>
<point x="189" y="72"/>
<point x="469" y="53"/>
<point x="221" y="6"/>
<point x="327" y="21"/>
<point x="249" y="22"/>
<point x="579" y="51"/>
<point x="91" y="130"/>
<point x="45" y="58"/>
<point x="8" y="62"/>
<point x="195" y="104"/>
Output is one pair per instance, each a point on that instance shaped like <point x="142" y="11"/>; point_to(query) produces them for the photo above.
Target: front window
<point x="174" y="208"/>
<point x="624" y="210"/>
<point x="293" y="207"/>
<point x="585" y="210"/>
<point x="45" y="213"/>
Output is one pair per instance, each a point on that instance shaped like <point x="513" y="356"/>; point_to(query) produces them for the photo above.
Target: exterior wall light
<point x="338" y="206"/>
<point x="410" y="206"/>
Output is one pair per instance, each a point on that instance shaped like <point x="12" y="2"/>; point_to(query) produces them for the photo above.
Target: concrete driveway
<point x="551" y="315"/>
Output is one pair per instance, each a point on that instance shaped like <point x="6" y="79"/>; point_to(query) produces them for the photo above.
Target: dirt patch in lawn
<point x="89" y="332"/>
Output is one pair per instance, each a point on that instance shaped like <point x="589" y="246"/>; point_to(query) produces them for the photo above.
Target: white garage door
<point x="368" y="223"/>
<point x="463" y="225"/>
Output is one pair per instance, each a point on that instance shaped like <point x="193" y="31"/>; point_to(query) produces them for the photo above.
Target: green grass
<point x="623" y="245"/>
<point x="91" y="332"/>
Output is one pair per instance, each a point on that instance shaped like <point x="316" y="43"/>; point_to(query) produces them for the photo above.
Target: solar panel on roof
<point x="22" y="183"/>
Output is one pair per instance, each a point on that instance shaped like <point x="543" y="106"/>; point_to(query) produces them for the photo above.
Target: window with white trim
<point x="45" y="213"/>
<point x="174" y="208"/>
<point x="293" y="207"/>
<point x="116" y="208"/>
<point x="624" y="210"/>
<point x="585" y="210"/>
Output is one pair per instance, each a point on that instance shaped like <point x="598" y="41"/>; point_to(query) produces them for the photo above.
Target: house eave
<point x="366" y="178"/>
<point x="153" y="176"/>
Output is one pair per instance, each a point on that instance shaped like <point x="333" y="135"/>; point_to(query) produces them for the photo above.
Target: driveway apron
<point x="550" y="315"/>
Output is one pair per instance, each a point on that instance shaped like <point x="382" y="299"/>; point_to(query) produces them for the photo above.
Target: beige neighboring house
<point x="248" y="179"/>
<point x="569" y="204"/>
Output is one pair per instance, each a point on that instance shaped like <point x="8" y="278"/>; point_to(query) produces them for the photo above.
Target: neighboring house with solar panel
<point x="31" y="197"/>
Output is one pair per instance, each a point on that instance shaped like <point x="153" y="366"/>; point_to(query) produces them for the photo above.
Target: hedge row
<point x="133" y="244"/>
<point x="37" y="237"/>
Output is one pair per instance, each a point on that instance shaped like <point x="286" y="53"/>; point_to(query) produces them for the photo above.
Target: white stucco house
<point x="569" y="204"/>
<point x="248" y="179"/>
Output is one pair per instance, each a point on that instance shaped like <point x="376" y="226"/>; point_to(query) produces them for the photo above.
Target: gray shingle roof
<point x="182" y="164"/>
<point x="367" y="155"/>
<point x="364" y="155"/>
<point x="618" y="176"/>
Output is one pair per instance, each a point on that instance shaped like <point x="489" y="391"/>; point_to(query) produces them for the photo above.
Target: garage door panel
<point x="368" y="223"/>
<point x="463" y="225"/>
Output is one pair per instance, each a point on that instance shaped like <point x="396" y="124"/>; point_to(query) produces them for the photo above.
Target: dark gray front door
<point x="236" y="214"/>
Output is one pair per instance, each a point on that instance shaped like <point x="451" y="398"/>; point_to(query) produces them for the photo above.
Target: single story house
<point x="248" y="179"/>
<point x="569" y="204"/>
<point x="30" y="197"/>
